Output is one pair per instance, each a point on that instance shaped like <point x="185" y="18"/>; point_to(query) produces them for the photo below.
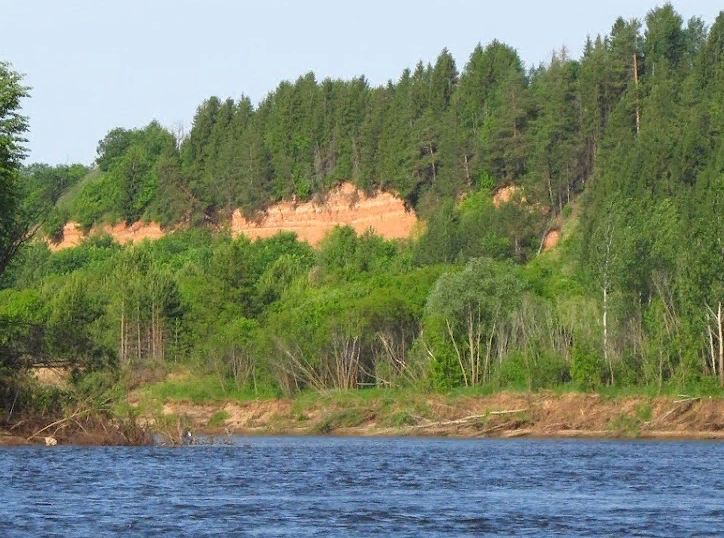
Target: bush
<point x="486" y="182"/>
<point x="218" y="419"/>
<point x="550" y="371"/>
<point x="347" y="418"/>
<point x="588" y="369"/>
<point x="514" y="371"/>
<point x="624" y="425"/>
<point x="99" y="388"/>
<point x="54" y="224"/>
<point x="399" y="419"/>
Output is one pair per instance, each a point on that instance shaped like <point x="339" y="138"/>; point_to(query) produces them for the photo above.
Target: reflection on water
<point x="365" y="487"/>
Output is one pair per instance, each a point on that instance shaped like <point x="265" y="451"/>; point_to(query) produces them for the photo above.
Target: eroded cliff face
<point x="383" y="212"/>
<point x="506" y="194"/>
<point x="73" y="235"/>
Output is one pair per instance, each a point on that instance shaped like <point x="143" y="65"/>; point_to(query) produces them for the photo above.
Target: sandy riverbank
<point x="502" y="415"/>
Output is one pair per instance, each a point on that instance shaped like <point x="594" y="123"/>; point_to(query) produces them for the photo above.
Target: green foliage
<point x="486" y="181"/>
<point x="629" y="134"/>
<point x="588" y="369"/>
<point x="14" y="223"/>
<point x="346" y="418"/>
<point x="342" y="250"/>
<point x="462" y="313"/>
<point x="98" y="196"/>
<point x="205" y="388"/>
<point x="53" y="226"/>
<point x="99" y="388"/>
<point x="644" y="412"/>
<point x="623" y="425"/>
<point x="400" y="419"/>
<point x="218" y="419"/>
<point x="515" y="371"/>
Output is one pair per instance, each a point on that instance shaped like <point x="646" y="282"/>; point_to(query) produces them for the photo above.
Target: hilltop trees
<point x="430" y="135"/>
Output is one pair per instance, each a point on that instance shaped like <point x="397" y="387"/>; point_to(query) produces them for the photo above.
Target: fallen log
<point x="466" y="419"/>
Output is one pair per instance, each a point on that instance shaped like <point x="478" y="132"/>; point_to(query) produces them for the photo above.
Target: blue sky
<point x="96" y="65"/>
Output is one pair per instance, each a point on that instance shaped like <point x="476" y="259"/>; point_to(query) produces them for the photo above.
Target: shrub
<point x="347" y="418"/>
<point x="399" y="420"/>
<point x="587" y="368"/>
<point x="218" y="419"/>
<point x="513" y="371"/>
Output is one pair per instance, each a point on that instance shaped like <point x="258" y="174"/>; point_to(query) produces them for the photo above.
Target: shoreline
<point x="545" y="415"/>
<point x="591" y="435"/>
<point x="8" y="440"/>
<point x="503" y="415"/>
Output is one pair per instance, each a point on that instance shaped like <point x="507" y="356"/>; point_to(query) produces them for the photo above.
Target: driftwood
<point x="467" y="419"/>
<point x="684" y="399"/>
<point x="59" y="422"/>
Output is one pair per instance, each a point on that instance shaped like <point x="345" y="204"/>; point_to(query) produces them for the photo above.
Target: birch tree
<point x="466" y="308"/>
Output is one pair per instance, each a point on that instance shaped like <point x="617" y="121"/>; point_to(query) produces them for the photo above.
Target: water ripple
<point x="365" y="487"/>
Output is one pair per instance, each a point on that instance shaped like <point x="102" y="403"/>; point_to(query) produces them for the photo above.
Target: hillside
<point x="344" y="205"/>
<point x="618" y="155"/>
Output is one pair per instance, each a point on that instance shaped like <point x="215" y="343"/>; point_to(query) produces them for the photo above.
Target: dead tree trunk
<point x="467" y="172"/>
<point x="605" y="288"/>
<point x="636" y="82"/>
<point x="123" y="332"/>
<point x="720" y="324"/>
<point x="717" y="319"/>
<point x="432" y="157"/>
<point x="138" y="331"/>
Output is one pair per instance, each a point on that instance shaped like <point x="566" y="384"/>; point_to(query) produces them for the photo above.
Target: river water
<point x="266" y="486"/>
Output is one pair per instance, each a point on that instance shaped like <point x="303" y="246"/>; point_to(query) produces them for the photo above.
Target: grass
<point x="186" y="386"/>
<point x="322" y="412"/>
<point x="218" y="419"/>
<point x="346" y="418"/>
<point x="614" y="393"/>
<point x="624" y="425"/>
<point x="481" y="390"/>
<point x="399" y="419"/>
<point x="203" y="389"/>
<point x="644" y="412"/>
<point x="629" y="426"/>
<point x="383" y="399"/>
<point x="69" y="197"/>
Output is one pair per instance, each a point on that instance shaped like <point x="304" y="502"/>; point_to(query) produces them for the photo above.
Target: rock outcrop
<point x="345" y="205"/>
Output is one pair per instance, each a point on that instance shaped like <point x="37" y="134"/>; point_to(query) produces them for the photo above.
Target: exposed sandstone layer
<point x="383" y="212"/>
<point x="551" y="240"/>
<point x="73" y="235"/>
<point x="504" y="195"/>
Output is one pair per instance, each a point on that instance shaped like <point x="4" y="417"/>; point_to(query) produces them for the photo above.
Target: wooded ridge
<point x="619" y="151"/>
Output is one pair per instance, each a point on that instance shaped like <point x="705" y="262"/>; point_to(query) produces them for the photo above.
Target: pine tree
<point x="557" y="132"/>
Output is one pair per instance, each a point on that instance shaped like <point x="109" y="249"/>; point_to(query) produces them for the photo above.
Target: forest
<point x="621" y="150"/>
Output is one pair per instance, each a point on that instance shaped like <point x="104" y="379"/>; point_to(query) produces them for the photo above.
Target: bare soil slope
<point x="505" y="414"/>
<point x="383" y="212"/>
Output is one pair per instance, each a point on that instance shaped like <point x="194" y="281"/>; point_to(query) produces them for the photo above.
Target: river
<point x="287" y="486"/>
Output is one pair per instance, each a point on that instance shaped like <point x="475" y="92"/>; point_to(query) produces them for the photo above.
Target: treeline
<point x="622" y="149"/>
<point x="435" y="132"/>
<point x="276" y="316"/>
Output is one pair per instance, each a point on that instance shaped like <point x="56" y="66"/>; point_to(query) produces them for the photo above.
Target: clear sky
<point x="99" y="64"/>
